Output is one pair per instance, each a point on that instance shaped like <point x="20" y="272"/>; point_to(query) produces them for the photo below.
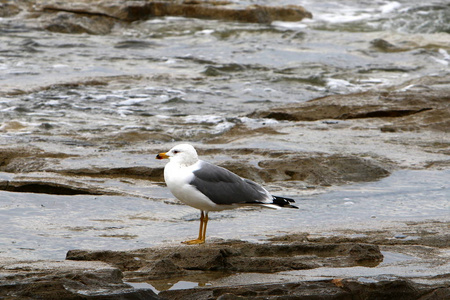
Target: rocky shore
<point x="407" y="261"/>
<point x="366" y="265"/>
<point x="99" y="17"/>
<point x="304" y="149"/>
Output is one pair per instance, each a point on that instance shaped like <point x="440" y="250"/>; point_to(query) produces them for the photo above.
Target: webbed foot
<point x="194" y="242"/>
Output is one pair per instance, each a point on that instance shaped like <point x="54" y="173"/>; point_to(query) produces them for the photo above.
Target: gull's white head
<point x="183" y="154"/>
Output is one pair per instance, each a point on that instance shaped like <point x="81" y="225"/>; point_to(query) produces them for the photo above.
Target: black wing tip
<point x="284" y="202"/>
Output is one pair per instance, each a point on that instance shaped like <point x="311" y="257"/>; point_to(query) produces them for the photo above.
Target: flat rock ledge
<point x="65" y="280"/>
<point x="25" y="167"/>
<point x="233" y="257"/>
<point x="350" y="288"/>
<point x="89" y="274"/>
<point x="405" y="109"/>
<point x="219" y="10"/>
<point x="99" y="17"/>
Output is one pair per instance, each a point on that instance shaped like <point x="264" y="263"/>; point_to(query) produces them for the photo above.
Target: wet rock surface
<point x="234" y="257"/>
<point x="118" y="81"/>
<point x="65" y="280"/>
<point x="240" y="270"/>
<point x="99" y="17"/>
<point x="312" y="168"/>
<point x="404" y="110"/>
<point x="138" y="10"/>
<point x="377" y="288"/>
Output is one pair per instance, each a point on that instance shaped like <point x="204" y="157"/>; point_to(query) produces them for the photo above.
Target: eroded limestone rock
<point x="234" y="256"/>
<point x="65" y="280"/>
<point x="98" y="17"/>
<point x="351" y="288"/>
<point x="141" y="10"/>
<point x="406" y="110"/>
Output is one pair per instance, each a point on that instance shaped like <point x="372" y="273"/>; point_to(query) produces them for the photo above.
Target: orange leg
<point x="202" y="230"/>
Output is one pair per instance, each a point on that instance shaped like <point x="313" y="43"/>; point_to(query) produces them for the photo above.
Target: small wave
<point x="420" y="19"/>
<point x="204" y="119"/>
<point x="392" y="16"/>
<point x="337" y="85"/>
<point x="131" y="102"/>
<point x="290" y="25"/>
<point x="390" y="7"/>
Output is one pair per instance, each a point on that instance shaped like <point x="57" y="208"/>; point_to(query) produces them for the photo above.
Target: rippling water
<point x="152" y="74"/>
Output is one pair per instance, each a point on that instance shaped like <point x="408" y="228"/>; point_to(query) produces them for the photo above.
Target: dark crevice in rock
<point x="44" y="188"/>
<point x="395" y="113"/>
<point x="280" y="116"/>
<point x="80" y="12"/>
<point x="406" y="111"/>
<point x="153" y="174"/>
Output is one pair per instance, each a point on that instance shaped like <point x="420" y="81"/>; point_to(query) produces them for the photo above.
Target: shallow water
<point x="46" y="226"/>
<point x="150" y="75"/>
<point x="151" y="83"/>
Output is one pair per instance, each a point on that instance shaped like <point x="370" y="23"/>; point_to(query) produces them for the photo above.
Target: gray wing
<point x="225" y="187"/>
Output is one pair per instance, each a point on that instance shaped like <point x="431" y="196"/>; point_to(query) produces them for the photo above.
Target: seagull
<point x="208" y="187"/>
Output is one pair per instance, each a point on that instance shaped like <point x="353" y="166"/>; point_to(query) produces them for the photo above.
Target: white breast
<point x="177" y="178"/>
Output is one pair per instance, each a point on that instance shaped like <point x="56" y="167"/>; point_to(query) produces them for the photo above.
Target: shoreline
<point x="408" y="261"/>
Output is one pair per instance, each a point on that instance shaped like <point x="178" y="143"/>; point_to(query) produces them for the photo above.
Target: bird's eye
<point x="176" y="151"/>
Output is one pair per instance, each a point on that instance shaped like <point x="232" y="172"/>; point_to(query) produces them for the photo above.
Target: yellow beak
<point x="162" y="155"/>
